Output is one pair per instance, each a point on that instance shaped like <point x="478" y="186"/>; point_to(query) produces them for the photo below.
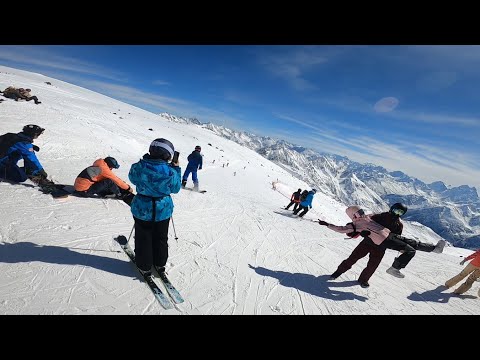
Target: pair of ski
<point x="196" y="190"/>
<point x="159" y="294"/>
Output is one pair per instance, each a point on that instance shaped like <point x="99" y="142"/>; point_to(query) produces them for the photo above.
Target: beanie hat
<point x="198" y="148"/>
<point x="162" y="149"/>
<point x="111" y="162"/>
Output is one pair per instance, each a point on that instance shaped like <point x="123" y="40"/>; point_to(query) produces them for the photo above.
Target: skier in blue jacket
<point x="13" y="148"/>
<point x="306" y="204"/>
<point x="152" y="207"/>
<point x="195" y="161"/>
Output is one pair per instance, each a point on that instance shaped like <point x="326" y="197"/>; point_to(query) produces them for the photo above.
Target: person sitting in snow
<point x="13" y="148"/>
<point x="12" y="92"/>
<point x="152" y="207"/>
<point x="472" y="269"/>
<point x="391" y="220"/>
<point x="195" y="162"/>
<point x="306" y="204"/>
<point x="99" y="180"/>
<point x="366" y="226"/>
<point x="294" y="199"/>
<point x="25" y="94"/>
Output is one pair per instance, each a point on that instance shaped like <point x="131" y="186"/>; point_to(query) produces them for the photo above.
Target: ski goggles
<point x="398" y="212"/>
<point x="360" y="213"/>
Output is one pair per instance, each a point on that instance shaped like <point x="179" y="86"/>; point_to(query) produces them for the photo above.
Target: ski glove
<point x="324" y="223"/>
<point x="364" y="233"/>
<point x="36" y="148"/>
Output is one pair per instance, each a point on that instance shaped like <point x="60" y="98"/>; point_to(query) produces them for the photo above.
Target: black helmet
<point x="32" y="130"/>
<point x="111" y="162"/>
<point x="161" y="149"/>
<point x="398" y="209"/>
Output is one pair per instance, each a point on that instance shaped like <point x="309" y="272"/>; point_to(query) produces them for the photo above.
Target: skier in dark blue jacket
<point x="195" y="162"/>
<point x="13" y="148"/>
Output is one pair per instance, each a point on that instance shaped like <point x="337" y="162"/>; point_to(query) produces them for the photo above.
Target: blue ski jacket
<point x="155" y="180"/>
<point x="22" y="148"/>
<point x="308" y="201"/>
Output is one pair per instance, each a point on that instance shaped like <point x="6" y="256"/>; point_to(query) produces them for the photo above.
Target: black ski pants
<point x="366" y="246"/>
<point x="33" y="98"/>
<point x="294" y="206"/>
<point x="300" y="208"/>
<point x="103" y="188"/>
<point x="407" y="246"/>
<point x="151" y="243"/>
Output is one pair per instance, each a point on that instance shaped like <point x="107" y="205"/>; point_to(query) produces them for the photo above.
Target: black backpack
<point x="304" y="195"/>
<point x="6" y="142"/>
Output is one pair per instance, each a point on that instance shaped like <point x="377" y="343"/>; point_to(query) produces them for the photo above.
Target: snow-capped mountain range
<point x="452" y="212"/>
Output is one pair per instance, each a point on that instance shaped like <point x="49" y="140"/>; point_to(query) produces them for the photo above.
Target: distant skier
<point x="13" y="148"/>
<point x="390" y="220"/>
<point x="294" y="200"/>
<point x="195" y="161"/>
<point x="99" y="180"/>
<point x="306" y="204"/>
<point x="365" y="226"/>
<point x="472" y="269"/>
<point x="152" y="207"/>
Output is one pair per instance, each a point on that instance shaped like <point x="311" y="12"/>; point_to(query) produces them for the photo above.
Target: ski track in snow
<point x="236" y="253"/>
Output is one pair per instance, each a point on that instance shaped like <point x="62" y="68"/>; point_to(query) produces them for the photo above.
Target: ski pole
<point x="129" y="236"/>
<point x="176" y="238"/>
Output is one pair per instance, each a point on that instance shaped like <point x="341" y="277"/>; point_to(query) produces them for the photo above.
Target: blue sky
<point x="408" y="108"/>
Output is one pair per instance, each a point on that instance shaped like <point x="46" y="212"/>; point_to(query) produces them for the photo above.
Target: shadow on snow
<point x="437" y="295"/>
<point x="314" y="285"/>
<point x="28" y="251"/>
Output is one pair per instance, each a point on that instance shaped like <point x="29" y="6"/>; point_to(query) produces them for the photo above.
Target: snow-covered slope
<point x="236" y="253"/>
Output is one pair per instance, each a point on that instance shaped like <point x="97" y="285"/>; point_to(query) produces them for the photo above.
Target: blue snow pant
<point x="13" y="173"/>
<point x="194" y="175"/>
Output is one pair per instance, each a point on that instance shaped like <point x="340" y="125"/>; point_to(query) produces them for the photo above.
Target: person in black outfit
<point x="376" y="252"/>
<point x="295" y="199"/>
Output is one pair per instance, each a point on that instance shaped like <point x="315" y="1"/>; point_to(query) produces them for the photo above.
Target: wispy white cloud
<point x="238" y="97"/>
<point x="132" y="94"/>
<point x="436" y="81"/>
<point x="296" y="121"/>
<point x="175" y="106"/>
<point x="386" y="104"/>
<point x="437" y="119"/>
<point x="293" y="64"/>
<point x="357" y="105"/>
<point x="38" y="56"/>
<point x="160" y="82"/>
